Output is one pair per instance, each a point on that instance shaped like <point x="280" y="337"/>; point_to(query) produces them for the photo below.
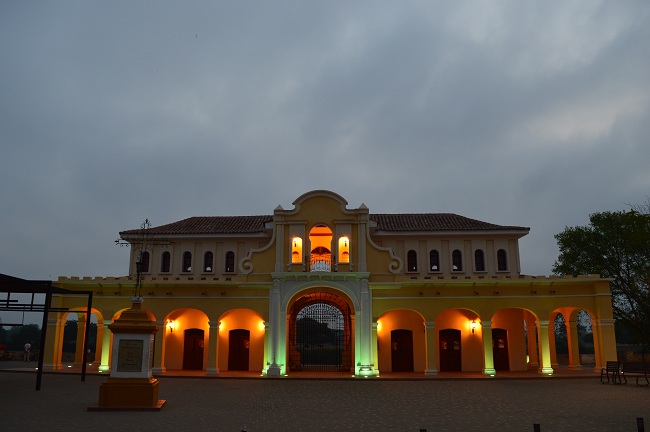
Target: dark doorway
<point x="239" y="347"/>
<point x="193" y="349"/>
<point x="500" y="349"/>
<point x="401" y="350"/>
<point x="450" y="358"/>
<point x="320" y="334"/>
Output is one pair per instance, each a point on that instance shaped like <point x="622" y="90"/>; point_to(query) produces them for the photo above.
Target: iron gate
<point x="320" y="334"/>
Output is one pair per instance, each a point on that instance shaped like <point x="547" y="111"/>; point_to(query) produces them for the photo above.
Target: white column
<point x="105" y="365"/>
<point x="533" y="357"/>
<point x="213" y="349"/>
<point x="365" y="364"/>
<point x="488" y="351"/>
<point x="159" y="348"/>
<point x="276" y="367"/>
<point x="544" y="348"/>
<point x="431" y="348"/>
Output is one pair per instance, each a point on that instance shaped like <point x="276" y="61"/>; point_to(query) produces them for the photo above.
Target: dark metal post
<point x="41" y="353"/>
<point x="639" y="424"/>
<point x="536" y="427"/>
<point x="84" y="357"/>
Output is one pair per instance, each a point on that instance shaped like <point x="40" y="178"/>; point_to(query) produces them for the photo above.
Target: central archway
<point x="320" y="333"/>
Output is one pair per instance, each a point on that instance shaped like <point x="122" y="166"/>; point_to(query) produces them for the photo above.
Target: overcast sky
<point x="533" y="113"/>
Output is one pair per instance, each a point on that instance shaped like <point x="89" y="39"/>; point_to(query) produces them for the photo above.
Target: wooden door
<point x="500" y="349"/>
<point x="238" y="349"/>
<point x="450" y="353"/>
<point x="401" y="342"/>
<point x="193" y="349"/>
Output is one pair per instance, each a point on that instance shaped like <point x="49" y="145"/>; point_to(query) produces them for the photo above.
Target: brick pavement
<point x="284" y="404"/>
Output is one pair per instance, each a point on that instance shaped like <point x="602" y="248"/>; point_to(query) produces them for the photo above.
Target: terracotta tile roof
<point x="435" y="222"/>
<point x="205" y="225"/>
<point x="210" y="225"/>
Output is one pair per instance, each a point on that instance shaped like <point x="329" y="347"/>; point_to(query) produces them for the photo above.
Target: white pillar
<point x="213" y="349"/>
<point x="544" y="348"/>
<point x="105" y="361"/>
<point x="488" y="351"/>
<point x="431" y="348"/>
<point x="277" y="366"/>
<point x="365" y="364"/>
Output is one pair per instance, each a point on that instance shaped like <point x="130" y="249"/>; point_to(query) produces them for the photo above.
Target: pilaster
<point x="431" y="348"/>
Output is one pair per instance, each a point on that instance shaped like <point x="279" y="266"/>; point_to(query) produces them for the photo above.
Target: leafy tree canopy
<point x="615" y="245"/>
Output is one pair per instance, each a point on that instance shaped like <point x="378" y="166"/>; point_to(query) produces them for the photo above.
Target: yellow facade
<point x="428" y="294"/>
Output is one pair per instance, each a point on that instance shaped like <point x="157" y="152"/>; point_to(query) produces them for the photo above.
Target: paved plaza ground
<point x="580" y="404"/>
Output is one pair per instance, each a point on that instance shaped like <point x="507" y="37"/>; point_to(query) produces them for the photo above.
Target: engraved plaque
<point x="129" y="357"/>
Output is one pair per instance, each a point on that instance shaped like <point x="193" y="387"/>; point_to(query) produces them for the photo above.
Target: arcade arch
<point x="186" y="336"/>
<point x="320" y="331"/>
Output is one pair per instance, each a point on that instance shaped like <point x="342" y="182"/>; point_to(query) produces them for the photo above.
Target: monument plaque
<point x="129" y="358"/>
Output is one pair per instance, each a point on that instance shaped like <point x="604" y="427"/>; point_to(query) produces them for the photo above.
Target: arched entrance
<point x="320" y="333"/>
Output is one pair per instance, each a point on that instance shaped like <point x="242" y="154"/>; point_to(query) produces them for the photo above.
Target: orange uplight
<point x="261" y="326"/>
<point x="170" y="326"/>
<point x="472" y="326"/>
<point x="378" y="326"/>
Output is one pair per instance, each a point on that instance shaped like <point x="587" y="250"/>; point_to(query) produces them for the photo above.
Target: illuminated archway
<point x="320" y="247"/>
<point x="241" y="340"/>
<point x="398" y="332"/>
<point x="320" y="333"/>
<point x="186" y="330"/>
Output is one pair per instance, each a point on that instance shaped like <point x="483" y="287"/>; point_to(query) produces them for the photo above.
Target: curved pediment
<point x="320" y="193"/>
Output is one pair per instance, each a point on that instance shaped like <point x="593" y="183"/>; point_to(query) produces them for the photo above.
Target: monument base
<point x="129" y="394"/>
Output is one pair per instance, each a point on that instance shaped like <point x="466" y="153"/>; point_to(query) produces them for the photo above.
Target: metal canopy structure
<point x="13" y="285"/>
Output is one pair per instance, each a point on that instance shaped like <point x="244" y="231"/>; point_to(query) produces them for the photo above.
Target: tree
<point x="70" y="336"/>
<point x="615" y="245"/>
<point x="19" y="335"/>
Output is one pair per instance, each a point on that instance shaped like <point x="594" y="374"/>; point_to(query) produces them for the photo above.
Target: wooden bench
<point x="636" y="369"/>
<point x="612" y="368"/>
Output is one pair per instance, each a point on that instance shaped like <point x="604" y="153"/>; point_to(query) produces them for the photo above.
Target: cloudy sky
<point x="514" y="112"/>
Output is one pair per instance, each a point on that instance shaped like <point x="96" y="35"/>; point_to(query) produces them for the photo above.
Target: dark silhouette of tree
<point x="615" y="245"/>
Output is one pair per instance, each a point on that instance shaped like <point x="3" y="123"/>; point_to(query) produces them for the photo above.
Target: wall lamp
<point x="472" y="325"/>
<point x="170" y="326"/>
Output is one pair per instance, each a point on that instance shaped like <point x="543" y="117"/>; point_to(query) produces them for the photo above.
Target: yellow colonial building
<point x="324" y="287"/>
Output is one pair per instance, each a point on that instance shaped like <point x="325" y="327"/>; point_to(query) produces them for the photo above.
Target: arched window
<point x="320" y="247"/>
<point x="144" y="262"/>
<point x="502" y="260"/>
<point x="457" y="260"/>
<point x="344" y="250"/>
<point x="165" y="262"/>
<point x="411" y="261"/>
<point x="208" y="259"/>
<point x="479" y="260"/>
<point x="296" y="250"/>
<point x="230" y="262"/>
<point x="187" y="262"/>
<point x="434" y="260"/>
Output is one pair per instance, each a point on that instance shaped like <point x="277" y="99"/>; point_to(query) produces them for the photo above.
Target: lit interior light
<point x="472" y="325"/>
<point x="170" y="326"/>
